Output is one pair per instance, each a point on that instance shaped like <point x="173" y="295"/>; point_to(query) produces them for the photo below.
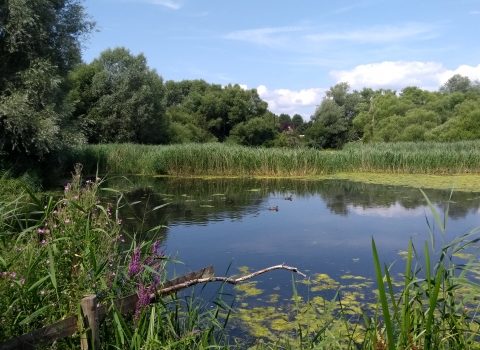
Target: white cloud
<point x="308" y="38"/>
<point x="378" y="34"/>
<point x="173" y="4"/>
<point x="291" y="101"/>
<point x="244" y="86"/>
<point x="400" y="74"/>
<point x="263" y="36"/>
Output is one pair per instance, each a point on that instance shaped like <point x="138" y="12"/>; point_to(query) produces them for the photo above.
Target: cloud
<point x="307" y="38"/>
<point x="173" y="4"/>
<point x="400" y="74"/>
<point x="378" y="34"/>
<point x="291" y="101"/>
<point x="263" y="36"/>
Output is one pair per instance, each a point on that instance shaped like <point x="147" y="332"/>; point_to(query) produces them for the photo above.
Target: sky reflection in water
<point x="326" y="228"/>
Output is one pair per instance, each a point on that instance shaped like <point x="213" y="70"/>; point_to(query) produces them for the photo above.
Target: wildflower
<point x="135" y="266"/>
<point x="13" y="275"/>
<point x="39" y="230"/>
<point x="143" y="299"/>
<point x="99" y="178"/>
<point x="22" y="281"/>
<point x="65" y="252"/>
<point x="42" y="292"/>
<point x="47" y="231"/>
<point x="4" y="273"/>
<point x="119" y="221"/>
<point x="48" y="261"/>
<point x="76" y="197"/>
<point x="67" y="221"/>
<point x="19" y="249"/>
<point x="466" y="308"/>
<point x="55" y="226"/>
<point x="43" y="242"/>
<point x="11" y="285"/>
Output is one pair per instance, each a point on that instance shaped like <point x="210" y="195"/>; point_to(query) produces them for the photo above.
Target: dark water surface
<point x="325" y="229"/>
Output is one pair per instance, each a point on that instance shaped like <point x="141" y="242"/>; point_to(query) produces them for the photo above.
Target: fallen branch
<point x="230" y="280"/>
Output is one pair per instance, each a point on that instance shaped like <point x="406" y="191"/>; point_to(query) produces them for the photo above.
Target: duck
<point x="273" y="208"/>
<point x="289" y="198"/>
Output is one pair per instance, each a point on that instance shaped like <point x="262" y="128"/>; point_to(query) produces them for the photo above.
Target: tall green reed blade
<point x="432" y="303"/>
<point x="383" y="297"/>
<point x="435" y="213"/>
<point x="406" y="292"/>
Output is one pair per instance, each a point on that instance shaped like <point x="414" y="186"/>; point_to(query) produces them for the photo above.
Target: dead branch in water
<point x="230" y="280"/>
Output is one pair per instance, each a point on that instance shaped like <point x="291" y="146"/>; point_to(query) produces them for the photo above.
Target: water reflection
<point x="324" y="231"/>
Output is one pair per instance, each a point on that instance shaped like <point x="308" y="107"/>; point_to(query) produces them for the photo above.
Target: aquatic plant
<point x="232" y="160"/>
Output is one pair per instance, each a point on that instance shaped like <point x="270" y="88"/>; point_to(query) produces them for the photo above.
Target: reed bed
<point x="230" y="160"/>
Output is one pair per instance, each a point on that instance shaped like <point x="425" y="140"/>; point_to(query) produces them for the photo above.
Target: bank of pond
<point x="232" y="160"/>
<point x="388" y="266"/>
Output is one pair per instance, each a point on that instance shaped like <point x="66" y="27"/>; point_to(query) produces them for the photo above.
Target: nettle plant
<point x="58" y="252"/>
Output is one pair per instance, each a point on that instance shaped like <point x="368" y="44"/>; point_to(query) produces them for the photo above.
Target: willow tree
<point x="40" y="42"/>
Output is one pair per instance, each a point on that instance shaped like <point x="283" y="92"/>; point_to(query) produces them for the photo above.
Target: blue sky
<point x="292" y="51"/>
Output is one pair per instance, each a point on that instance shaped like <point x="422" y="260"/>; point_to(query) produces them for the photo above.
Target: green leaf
<point x="33" y="315"/>
<point x="383" y="297"/>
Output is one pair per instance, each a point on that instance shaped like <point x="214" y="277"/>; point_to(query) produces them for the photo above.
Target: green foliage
<point x="411" y="127"/>
<point x="215" y="109"/>
<point x="254" y="132"/>
<point x="234" y="160"/>
<point x="40" y="41"/>
<point x="465" y="125"/>
<point x="119" y="99"/>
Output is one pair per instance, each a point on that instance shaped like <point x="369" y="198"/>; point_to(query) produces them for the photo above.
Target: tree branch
<point x="230" y="280"/>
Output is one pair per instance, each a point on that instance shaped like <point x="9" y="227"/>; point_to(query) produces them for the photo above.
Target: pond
<point x="325" y="231"/>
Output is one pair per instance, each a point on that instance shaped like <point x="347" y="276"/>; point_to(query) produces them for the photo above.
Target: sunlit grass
<point x="231" y="160"/>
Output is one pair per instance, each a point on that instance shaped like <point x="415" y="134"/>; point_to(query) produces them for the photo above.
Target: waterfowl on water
<point x="289" y="198"/>
<point x="273" y="208"/>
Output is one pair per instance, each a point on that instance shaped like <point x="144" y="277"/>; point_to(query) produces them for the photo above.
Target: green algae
<point x="248" y="289"/>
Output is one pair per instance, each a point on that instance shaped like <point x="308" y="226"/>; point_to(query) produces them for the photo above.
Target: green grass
<point x="231" y="160"/>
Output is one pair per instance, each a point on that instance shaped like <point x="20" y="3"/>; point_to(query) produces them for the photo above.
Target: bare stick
<point x="230" y="280"/>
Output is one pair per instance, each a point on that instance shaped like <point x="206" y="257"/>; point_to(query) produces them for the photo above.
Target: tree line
<point x="51" y="101"/>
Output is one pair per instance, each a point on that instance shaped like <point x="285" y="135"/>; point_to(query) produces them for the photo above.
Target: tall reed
<point x="232" y="160"/>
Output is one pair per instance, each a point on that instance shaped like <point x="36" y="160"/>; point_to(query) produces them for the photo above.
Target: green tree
<point x="118" y="98"/>
<point x="465" y="125"/>
<point x="221" y="108"/>
<point x="297" y="120"/>
<point x="457" y="83"/>
<point x="253" y="132"/>
<point x="40" y="42"/>
<point x="411" y="127"/>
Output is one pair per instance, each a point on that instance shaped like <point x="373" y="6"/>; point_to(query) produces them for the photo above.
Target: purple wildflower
<point x="143" y="299"/>
<point x="42" y="292"/>
<point x="13" y="275"/>
<point x="135" y="266"/>
<point x="67" y="221"/>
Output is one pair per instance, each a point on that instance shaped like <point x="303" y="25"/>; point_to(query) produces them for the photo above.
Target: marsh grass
<point x="54" y="252"/>
<point x="232" y="160"/>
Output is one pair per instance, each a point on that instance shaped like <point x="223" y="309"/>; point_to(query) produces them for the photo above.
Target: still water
<point x="325" y="230"/>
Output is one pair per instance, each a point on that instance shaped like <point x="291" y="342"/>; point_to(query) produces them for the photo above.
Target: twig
<point x="230" y="280"/>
